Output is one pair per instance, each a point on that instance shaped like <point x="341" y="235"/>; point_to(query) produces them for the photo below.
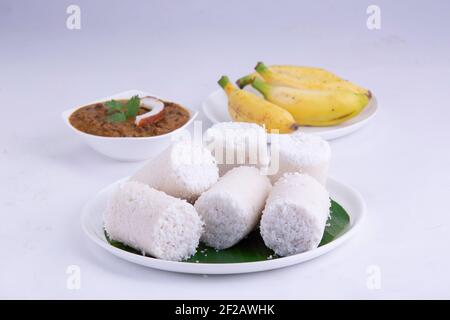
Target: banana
<point x="307" y="72"/>
<point x="244" y="106"/>
<point x="293" y="71"/>
<point x="284" y="79"/>
<point x="314" y="107"/>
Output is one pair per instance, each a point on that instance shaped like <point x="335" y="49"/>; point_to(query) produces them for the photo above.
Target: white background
<point x="178" y="49"/>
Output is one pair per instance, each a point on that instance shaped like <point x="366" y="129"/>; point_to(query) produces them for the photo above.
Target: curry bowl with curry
<point x="131" y="126"/>
<point x="135" y="117"/>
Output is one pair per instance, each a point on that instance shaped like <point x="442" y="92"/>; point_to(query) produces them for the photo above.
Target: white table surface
<point x="178" y="49"/>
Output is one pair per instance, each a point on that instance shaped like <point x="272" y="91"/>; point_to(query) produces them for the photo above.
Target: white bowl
<point x="127" y="148"/>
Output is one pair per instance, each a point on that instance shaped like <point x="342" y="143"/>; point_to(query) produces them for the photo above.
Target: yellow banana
<point x="306" y="72"/>
<point x="246" y="107"/>
<point x="314" y="107"/>
<point x="293" y="71"/>
<point x="285" y="79"/>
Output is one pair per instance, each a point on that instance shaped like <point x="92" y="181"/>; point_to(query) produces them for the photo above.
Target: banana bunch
<point x="312" y="96"/>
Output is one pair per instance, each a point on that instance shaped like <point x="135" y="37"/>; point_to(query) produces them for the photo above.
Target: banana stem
<point x="261" y="67"/>
<point x="261" y="86"/>
<point x="225" y="83"/>
<point x="246" y="80"/>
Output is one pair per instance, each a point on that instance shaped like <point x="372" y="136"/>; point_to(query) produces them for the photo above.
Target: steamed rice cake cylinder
<point x="152" y="222"/>
<point x="295" y="215"/>
<point x="184" y="170"/>
<point x="236" y="144"/>
<point x="232" y="207"/>
<point x="304" y="153"/>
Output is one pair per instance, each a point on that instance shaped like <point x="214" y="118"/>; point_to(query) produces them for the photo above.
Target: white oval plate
<point x="215" y="107"/>
<point x="92" y="224"/>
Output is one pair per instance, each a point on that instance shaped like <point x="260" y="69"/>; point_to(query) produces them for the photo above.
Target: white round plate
<point x="92" y="224"/>
<point x="215" y="107"/>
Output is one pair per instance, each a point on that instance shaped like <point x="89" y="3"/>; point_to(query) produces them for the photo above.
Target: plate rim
<point x="356" y="221"/>
<point x="328" y="133"/>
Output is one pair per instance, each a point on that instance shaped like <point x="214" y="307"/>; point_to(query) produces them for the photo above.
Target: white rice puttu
<point x="295" y="215"/>
<point x="153" y="222"/>
<point x="231" y="209"/>
<point x="184" y="170"/>
<point x="236" y="144"/>
<point x="304" y="153"/>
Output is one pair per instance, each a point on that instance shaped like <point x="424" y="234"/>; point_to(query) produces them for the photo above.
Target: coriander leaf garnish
<point x="119" y="112"/>
<point x="132" y="107"/>
<point x="113" y="106"/>
<point x="116" y="117"/>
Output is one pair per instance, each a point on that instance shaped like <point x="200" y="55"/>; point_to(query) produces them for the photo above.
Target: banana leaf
<point x="252" y="248"/>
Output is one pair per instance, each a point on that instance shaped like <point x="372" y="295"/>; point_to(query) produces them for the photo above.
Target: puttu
<point x="232" y="207"/>
<point x="295" y="215"/>
<point x="184" y="170"/>
<point x="236" y="144"/>
<point x="152" y="222"/>
<point x="304" y="153"/>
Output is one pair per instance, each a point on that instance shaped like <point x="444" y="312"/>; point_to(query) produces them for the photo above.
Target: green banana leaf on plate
<point x="252" y="248"/>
